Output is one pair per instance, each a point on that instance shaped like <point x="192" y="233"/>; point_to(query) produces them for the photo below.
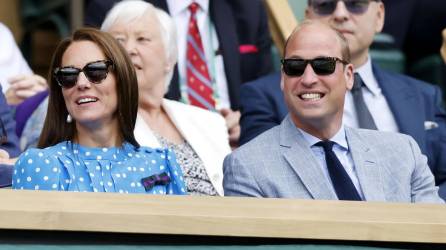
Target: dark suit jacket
<point x="416" y="26"/>
<point x="237" y="23"/>
<point x="7" y="128"/>
<point x="412" y="102"/>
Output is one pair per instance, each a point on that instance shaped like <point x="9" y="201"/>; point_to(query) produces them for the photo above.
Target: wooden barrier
<point x="281" y="21"/>
<point x="227" y="216"/>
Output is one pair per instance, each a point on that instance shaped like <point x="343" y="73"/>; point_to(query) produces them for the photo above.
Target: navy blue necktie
<point x="365" y="119"/>
<point x="343" y="185"/>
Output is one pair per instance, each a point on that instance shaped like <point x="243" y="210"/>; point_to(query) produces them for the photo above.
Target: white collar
<point x="178" y="6"/>
<point x="339" y="138"/>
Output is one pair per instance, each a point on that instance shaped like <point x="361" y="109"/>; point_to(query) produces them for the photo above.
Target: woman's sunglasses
<point x="322" y="66"/>
<point x="327" y="7"/>
<point x="95" y="72"/>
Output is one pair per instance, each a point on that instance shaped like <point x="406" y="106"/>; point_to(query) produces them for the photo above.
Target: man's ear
<point x="281" y="80"/>
<point x="381" y="13"/>
<point x="349" y="76"/>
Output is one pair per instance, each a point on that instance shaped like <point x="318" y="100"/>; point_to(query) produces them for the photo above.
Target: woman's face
<point x="142" y="40"/>
<point x="90" y="104"/>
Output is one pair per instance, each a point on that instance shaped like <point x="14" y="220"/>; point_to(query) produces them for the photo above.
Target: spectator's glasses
<point x="327" y="7"/>
<point x="321" y="66"/>
<point x="95" y="72"/>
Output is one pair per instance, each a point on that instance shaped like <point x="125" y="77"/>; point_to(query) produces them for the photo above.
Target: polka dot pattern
<point x="71" y="167"/>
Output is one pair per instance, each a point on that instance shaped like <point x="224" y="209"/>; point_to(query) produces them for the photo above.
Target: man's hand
<point x="233" y="123"/>
<point x="24" y="86"/>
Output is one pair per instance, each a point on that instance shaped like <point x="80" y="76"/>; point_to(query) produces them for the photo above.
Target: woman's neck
<point x="99" y="135"/>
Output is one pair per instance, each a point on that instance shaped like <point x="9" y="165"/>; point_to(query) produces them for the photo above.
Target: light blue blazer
<point x="279" y="163"/>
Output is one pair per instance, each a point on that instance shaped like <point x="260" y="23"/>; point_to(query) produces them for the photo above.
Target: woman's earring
<point x="69" y="118"/>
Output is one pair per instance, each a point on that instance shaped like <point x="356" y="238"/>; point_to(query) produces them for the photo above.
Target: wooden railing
<point x="281" y="21"/>
<point x="222" y="216"/>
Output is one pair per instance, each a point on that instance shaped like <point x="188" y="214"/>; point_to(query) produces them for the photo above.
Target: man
<point x="236" y="45"/>
<point x="395" y="102"/>
<point x="311" y="154"/>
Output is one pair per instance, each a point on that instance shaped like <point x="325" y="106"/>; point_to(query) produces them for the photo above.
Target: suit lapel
<point x="303" y="162"/>
<point x="404" y="104"/>
<point x="366" y="165"/>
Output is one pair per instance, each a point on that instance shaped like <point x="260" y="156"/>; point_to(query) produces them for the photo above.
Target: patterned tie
<point x="199" y="87"/>
<point x="365" y="119"/>
<point x="343" y="185"/>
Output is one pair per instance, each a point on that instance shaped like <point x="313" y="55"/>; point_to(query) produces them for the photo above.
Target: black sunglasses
<point x="95" y="72"/>
<point x="322" y="65"/>
<point x="327" y="7"/>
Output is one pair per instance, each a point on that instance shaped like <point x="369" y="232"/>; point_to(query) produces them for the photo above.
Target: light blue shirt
<point x="69" y="166"/>
<point x="341" y="150"/>
<point x="375" y="100"/>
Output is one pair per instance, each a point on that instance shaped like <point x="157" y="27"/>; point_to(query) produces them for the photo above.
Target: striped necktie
<point x="199" y="86"/>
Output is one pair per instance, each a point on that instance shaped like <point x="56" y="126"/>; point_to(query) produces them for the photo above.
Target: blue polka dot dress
<point x="71" y="167"/>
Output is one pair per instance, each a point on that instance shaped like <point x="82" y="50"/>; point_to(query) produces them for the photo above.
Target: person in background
<point x="380" y="99"/>
<point x="87" y="143"/>
<point x="233" y="41"/>
<point x="198" y="137"/>
<point x="312" y="154"/>
<point x="16" y="78"/>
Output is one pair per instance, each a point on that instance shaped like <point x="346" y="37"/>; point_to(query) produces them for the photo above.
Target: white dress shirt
<point x="342" y="152"/>
<point x="180" y="13"/>
<point x="12" y="62"/>
<point x="375" y="100"/>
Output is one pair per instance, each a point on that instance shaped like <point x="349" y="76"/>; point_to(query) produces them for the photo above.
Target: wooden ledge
<point x="227" y="216"/>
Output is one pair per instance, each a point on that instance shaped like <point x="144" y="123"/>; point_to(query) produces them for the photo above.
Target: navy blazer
<point x="412" y="102"/>
<point x="10" y="143"/>
<point x="237" y="23"/>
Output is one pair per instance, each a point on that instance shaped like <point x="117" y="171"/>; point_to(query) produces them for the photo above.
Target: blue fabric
<point x="5" y="175"/>
<point x="6" y="117"/>
<point x="71" y="167"/>
<point x="411" y="101"/>
<point x="24" y="110"/>
<point x="262" y="106"/>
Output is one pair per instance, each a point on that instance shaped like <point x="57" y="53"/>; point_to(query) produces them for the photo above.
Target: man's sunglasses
<point x="322" y="65"/>
<point x="95" y="72"/>
<point x="327" y="7"/>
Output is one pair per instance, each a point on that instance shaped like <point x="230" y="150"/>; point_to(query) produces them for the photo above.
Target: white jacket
<point x="205" y="131"/>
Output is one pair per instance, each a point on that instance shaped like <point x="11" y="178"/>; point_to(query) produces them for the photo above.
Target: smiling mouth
<point x="311" y="96"/>
<point x="86" y="100"/>
<point x="137" y="66"/>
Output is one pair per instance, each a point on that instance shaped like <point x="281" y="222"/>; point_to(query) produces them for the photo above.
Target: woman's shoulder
<point x="44" y="153"/>
<point x="177" y="108"/>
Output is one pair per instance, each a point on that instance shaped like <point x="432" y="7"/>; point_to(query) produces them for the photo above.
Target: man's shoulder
<point x="191" y="111"/>
<point x="266" y="141"/>
<point x="378" y="138"/>
<point x="398" y="78"/>
<point x="264" y="82"/>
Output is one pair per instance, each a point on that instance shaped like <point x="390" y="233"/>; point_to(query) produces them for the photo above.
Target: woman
<point x="87" y="142"/>
<point x="198" y="137"/>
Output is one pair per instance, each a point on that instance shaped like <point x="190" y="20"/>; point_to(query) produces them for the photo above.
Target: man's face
<point x="359" y="28"/>
<point x="314" y="99"/>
